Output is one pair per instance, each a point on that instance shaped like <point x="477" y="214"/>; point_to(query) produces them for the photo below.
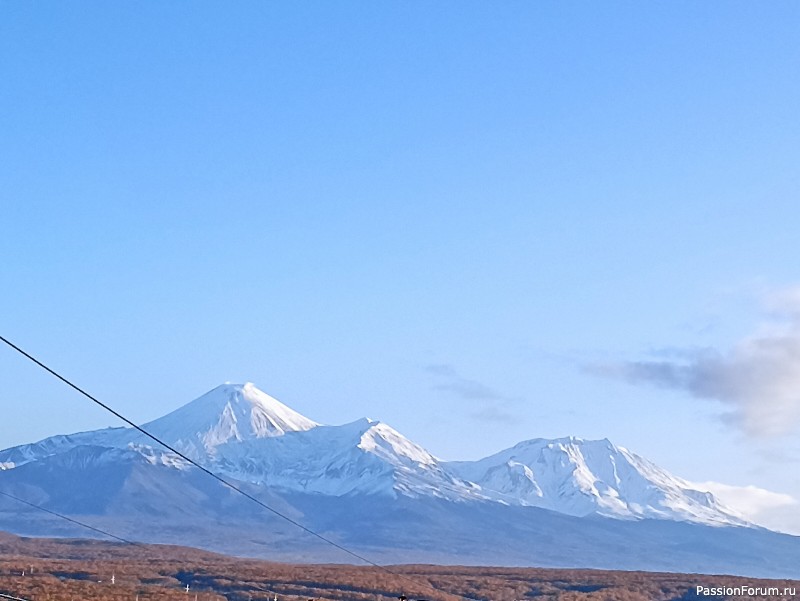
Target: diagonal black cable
<point x="214" y="475"/>
<point x="183" y="456"/>
<point x="64" y="517"/>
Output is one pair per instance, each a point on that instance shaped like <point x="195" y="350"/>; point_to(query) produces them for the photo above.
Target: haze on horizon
<point x="480" y="224"/>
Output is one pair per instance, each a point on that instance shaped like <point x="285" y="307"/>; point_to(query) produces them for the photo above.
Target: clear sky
<point x="479" y="222"/>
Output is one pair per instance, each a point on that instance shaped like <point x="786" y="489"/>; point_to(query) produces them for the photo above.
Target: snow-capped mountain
<point x="564" y="502"/>
<point x="581" y="477"/>
<point x="228" y="413"/>
<point x="243" y="433"/>
<point x="363" y="457"/>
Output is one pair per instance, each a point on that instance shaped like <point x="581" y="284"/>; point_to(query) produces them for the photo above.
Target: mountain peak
<point x="581" y="477"/>
<point x="239" y="430"/>
<point x="229" y="412"/>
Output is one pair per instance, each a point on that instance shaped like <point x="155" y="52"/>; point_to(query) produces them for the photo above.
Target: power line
<point x="213" y="474"/>
<point x="4" y="596"/>
<point x="183" y="456"/>
<point x="100" y="531"/>
<point x="69" y="519"/>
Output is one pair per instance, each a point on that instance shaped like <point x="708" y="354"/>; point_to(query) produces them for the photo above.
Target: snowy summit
<point x="241" y="432"/>
<point x="228" y="413"/>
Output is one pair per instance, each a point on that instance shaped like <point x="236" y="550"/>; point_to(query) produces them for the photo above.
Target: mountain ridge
<point x="243" y="433"/>
<point x="562" y="502"/>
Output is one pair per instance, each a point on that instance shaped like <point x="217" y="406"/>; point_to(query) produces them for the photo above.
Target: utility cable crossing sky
<point x="69" y="519"/>
<point x="99" y="531"/>
<point x="203" y="469"/>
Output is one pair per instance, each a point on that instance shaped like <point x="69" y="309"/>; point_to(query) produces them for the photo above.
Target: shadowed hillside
<point x="77" y="569"/>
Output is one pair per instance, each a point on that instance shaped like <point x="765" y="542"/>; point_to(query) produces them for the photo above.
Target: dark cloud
<point x="757" y="380"/>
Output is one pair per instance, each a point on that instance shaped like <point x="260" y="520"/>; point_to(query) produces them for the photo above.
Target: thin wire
<point x="79" y="523"/>
<point x="69" y="519"/>
<point x="213" y="474"/>
<point x="98" y="530"/>
<point x="4" y="596"/>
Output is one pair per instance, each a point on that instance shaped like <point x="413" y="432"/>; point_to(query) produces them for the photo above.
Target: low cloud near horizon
<point x="776" y="511"/>
<point x="757" y="379"/>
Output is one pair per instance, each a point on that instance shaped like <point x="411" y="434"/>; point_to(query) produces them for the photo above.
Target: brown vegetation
<point x="78" y="570"/>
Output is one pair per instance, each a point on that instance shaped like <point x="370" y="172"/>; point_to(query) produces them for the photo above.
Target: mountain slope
<point x="243" y="433"/>
<point x="363" y="457"/>
<point x="154" y="503"/>
<point x="580" y="477"/>
<point x="564" y="502"/>
<point x="228" y="413"/>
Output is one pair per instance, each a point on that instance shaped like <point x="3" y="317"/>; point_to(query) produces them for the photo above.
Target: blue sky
<point x="459" y="218"/>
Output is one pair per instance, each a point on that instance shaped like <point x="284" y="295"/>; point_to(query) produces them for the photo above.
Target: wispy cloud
<point x="496" y="414"/>
<point x="488" y="403"/>
<point x="784" y="302"/>
<point x="757" y="379"/>
<point x="471" y="390"/>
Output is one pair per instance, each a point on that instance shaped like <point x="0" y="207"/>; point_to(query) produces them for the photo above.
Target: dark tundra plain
<point x="79" y="569"/>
